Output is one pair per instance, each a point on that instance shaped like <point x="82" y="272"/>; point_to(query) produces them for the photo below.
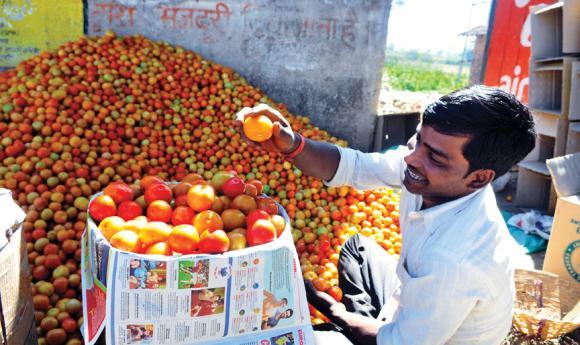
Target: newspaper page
<point x="252" y="296"/>
<point x="94" y="265"/>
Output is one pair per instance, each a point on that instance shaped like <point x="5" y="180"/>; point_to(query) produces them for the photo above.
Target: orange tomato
<point x="279" y="223"/>
<point x="158" y="191"/>
<point x="184" y="239"/>
<point x="262" y="231"/>
<point x="102" y="207"/>
<point x="208" y="221"/>
<point x="267" y="204"/>
<point x="182" y="215"/>
<point x="254" y="216"/>
<point x="258" y="128"/>
<point x="154" y="232"/>
<point x="214" y="242"/>
<point x="148" y="181"/>
<point x="119" y="192"/>
<point x="160" y="211"/>
<point x="200" y="197"/>
<point x="111" y="225"/>
<point x="320" y="284"/>
<point x="129" y="210"/>
<point x="258" y="184"/>
<point x="192" y="178"/>
<point x="134" y="225"/>
<point x="159" y="248"/>
<point x="126" y="240"/>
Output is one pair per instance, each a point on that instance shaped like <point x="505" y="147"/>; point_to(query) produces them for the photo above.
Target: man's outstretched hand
<point x="282" y="140"/>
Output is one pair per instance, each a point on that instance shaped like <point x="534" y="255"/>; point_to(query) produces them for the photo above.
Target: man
<point x="139" y="272"/>
<point x="204" y="302"/>
<point x="453" y="282"/>
<point x="272" y="322"/>
<point x="198" y="277"/>
<point x="271" y="304"/>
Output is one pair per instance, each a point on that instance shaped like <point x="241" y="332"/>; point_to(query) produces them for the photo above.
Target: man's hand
<point x="282" y="140"/>
<point x="322" y="301"/>
<point x="362" y="328"/>
<point x="317" y="159"/>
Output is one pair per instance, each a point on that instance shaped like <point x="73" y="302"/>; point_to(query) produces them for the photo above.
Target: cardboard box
<point x="546" y="28"/>
<point x="533" y="187"/>
<point x="574" y="113"/>
<point x="563" y="253"/>
<point x="544" y="148"/>
<point x="571" y="27"/>
<point x="550" y="99"/>
<point x="550" y="85"/>
<point x="573" y="144"/>
<point x="546" y="123"/>
<point x="546" y="81"/>
<point x="16" y="308"/>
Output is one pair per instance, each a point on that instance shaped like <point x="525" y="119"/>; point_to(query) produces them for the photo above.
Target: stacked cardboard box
<point x="573" y="143"/>
<point x="563" y="254"/>
<point x="554" y="98"/>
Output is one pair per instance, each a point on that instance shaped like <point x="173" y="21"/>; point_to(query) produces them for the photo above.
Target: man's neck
<point x="432" y="201"/>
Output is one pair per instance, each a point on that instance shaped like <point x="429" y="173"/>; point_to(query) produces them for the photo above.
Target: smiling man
<point x="454" y="280"/>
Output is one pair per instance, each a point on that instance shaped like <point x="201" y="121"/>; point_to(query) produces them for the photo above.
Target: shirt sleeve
<point x="436" y="302"/>
<point x="365" y="171"/>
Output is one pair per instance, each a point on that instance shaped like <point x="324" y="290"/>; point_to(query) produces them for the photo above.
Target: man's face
<point x="286" y="314"/>
<point x="436" y="167"/>
<point x="135" y="263"/>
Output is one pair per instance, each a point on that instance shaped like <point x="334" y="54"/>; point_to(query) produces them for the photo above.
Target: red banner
<point x="508" y="51"/>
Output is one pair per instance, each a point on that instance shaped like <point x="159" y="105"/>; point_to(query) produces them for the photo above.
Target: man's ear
<point x="480" y="178"/>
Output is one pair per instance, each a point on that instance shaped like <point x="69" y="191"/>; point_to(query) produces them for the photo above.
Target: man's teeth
<point x="415" y="176"/>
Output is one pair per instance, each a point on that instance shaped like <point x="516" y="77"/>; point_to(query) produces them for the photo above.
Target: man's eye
<point x="432" y="157"/>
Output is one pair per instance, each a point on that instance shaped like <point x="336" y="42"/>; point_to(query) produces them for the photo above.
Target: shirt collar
<point x="434" y="216"/>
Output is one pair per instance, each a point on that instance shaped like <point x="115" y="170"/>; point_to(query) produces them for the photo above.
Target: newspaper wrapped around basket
<point x="238" y="297"/>
<point x="546" y="306"/>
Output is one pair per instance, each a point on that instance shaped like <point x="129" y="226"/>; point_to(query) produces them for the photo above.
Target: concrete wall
<point x="30" y="27"/>
<point x="322" y="58"/>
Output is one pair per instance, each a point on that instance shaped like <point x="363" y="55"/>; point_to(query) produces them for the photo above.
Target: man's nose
<point x="412" y="158"/>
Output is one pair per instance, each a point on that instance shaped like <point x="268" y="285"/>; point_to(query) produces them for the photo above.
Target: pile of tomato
<point x="106" y="109"/>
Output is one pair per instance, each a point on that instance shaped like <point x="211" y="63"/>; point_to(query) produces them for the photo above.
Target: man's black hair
<point x="501" y="127"/>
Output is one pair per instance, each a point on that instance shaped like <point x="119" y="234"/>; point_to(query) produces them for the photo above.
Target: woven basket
<point x="546" y="305"/>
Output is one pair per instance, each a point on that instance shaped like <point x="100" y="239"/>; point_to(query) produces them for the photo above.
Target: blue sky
<point x="435" y="24"/>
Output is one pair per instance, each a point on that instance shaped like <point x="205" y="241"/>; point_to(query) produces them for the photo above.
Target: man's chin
<point x="412" y="186"/>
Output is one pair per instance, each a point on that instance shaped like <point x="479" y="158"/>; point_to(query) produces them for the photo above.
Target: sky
<point x="434" y="24"/>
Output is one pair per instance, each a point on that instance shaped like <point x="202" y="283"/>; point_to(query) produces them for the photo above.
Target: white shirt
<point x="456" y="276"/>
